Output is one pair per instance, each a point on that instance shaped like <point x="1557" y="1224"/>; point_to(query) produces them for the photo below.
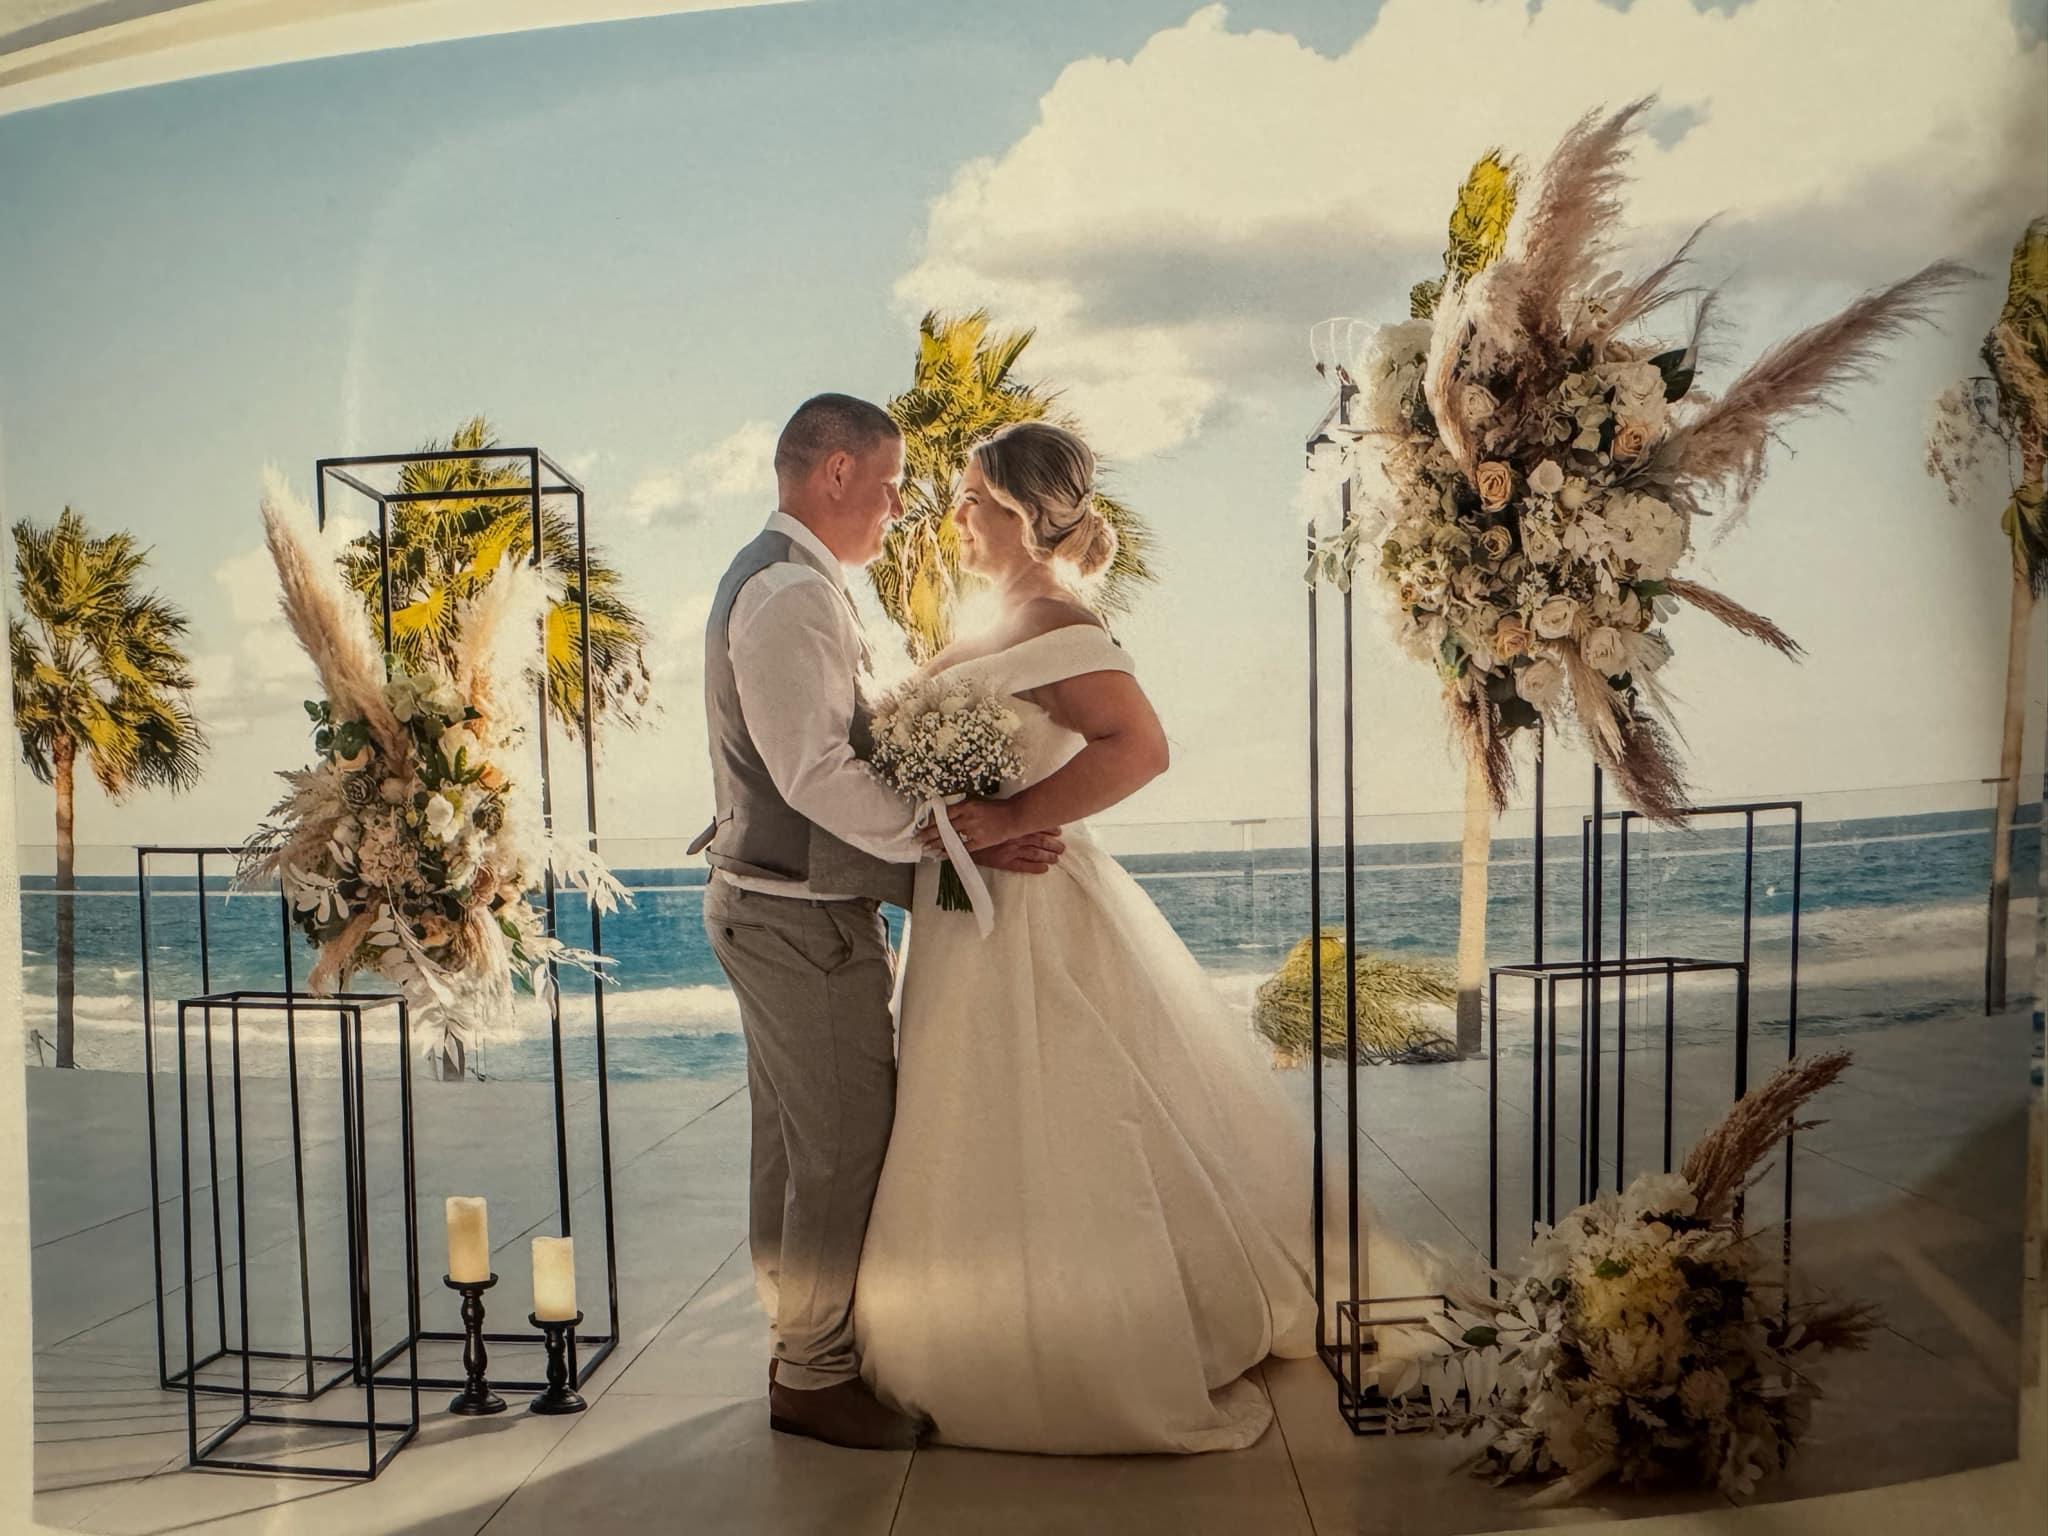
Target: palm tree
<point x="99" y="670"/>
<point x="2007" y="406"/>
<point x="961" y="390"/>
<point x="1478" y="234"/>
<point x="443" y="551"/>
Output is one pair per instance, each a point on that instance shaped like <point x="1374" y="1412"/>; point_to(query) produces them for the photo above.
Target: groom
<point x="804" y="848"/>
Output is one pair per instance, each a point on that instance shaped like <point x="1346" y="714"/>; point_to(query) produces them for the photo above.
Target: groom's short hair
<point x="827" y="424"/>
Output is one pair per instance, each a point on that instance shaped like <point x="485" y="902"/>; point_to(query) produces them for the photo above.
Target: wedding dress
<point x="1094" y="1217"/>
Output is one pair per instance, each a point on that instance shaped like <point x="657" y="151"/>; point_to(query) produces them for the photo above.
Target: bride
<point x="1092" y="1221"/>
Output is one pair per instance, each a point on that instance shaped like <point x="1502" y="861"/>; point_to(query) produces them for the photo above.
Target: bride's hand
<point x="979" y="824"/>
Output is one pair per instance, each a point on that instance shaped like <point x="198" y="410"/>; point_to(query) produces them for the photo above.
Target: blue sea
<point x="1892" y="931"/>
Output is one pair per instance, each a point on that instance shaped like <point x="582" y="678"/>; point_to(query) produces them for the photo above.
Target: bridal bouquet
<point x="1542" y="464"/>
<point x="1641" y="1341"/>
<point x="938" y="740"/>
<point x="409" y="846"/>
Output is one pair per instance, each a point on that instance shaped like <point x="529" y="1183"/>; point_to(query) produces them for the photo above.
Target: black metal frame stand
<point x="348" y="1010"/>
<point x="544" y="481"/>
<point x="1593" y="969"/>
<point x="313" y="1381"/>
<point x="1357" y="1315"/>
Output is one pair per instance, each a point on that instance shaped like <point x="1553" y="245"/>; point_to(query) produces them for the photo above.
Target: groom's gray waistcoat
<point x="755" y="831"/>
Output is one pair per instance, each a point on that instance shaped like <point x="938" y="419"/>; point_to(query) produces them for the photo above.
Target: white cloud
<point x="1173" y="222"/>
<point x="652" y="496"/>
<point x="740" y="465"/>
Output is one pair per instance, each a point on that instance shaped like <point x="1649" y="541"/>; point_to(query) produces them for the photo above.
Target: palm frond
<point x="444" y="552"/>
<point x="962" y="388"/>
<point x="98" y="662"/>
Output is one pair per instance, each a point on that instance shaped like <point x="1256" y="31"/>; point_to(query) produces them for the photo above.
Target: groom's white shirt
<point x="795" y="641"/>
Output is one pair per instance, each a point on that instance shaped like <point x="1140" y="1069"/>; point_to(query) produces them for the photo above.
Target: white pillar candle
<point x="469" y="1240"/>
<point x="554" y="1278"/>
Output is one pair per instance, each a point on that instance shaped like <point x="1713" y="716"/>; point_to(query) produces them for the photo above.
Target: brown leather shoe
<point x="846" y="1413"/>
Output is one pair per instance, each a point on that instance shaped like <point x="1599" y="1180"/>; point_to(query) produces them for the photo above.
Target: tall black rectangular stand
<point x="528" y="477"/>
<point x="382" y="1438"/>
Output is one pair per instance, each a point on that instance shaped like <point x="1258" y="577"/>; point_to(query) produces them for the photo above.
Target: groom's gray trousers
<point x="814" y="980"/>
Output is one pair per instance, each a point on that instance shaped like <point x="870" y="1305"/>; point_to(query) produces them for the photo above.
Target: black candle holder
<point x="560" y="1397"/>
<point x="476" y="1399"/>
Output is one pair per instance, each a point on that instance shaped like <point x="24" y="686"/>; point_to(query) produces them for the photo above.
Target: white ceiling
<point x="60" y="50"/>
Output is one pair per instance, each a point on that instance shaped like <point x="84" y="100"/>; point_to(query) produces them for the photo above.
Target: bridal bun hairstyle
<point x="1046" y="475"/>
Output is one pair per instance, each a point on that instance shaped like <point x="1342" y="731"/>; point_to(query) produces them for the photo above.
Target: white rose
<point x="1634" y="384"/>
<point x="1540" y="682"/>
<point x="441" y="816"/>
<point x="1546" y="478"/>
<point x="458" y="739"/>
<point x="1605" y="652"/>
<point x="1554" y="619"/>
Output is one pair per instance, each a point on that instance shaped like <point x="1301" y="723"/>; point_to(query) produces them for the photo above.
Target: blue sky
<point x="640" y="243"/>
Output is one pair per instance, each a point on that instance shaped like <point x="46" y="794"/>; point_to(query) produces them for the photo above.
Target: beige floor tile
<point x="717" y="1346"/>
<point x="701" y="1464"/>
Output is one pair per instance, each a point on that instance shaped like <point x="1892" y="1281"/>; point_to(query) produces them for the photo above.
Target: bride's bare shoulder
<point x="1043" y="615"/>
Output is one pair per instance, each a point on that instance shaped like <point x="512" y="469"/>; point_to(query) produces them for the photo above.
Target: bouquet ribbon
<point x="964" y="866"/>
